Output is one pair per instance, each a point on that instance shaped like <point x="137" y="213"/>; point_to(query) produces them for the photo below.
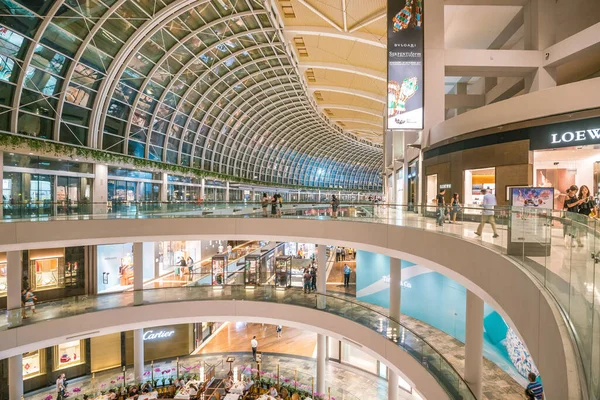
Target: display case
<point x="72" y="272"/>
<point x="3" y="282"/>
<point x="47" y="273"/>
<point x="32" y="364"/>
<point x="126" y="270"/>
<point x="283" y="272"/>
<point x="217" y="273"/>
<point x="69" y="354"/>
<point x="252" y="270"/>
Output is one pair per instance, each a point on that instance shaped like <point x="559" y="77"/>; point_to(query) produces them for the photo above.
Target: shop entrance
<point x="561" y="168"/>
<point x="475" y="180"/>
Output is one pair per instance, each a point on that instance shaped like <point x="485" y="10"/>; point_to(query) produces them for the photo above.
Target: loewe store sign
<point x="573" y="133"/>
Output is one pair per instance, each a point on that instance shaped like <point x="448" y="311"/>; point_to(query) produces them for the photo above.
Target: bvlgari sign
<point x="566" y="134"/>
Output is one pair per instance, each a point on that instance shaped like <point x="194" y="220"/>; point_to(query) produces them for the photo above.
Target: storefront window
<point x="432" y="189"/>
<point x="115" y="267"/>
<point x="69" y="354"/>
<point x="475" y="180"/>
<point x="32" y="364"/>
<point x="47" y="269"/>
<point x="358" y="358"/>
<point x="170" y="254"/>
<point x="3" y="282"/>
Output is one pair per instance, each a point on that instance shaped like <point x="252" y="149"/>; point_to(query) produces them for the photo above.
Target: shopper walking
<point x="279" y="205"/>
<point x="535" y="387"/>
<point x="265" y="203"/>
<point x="347" y="272"/>
<point x="254" y="345"/>
<point x="30" y="300"/>
<point x="441" y="207"/>
<point x="279" y="329"/>
<point x="313" y="278"/>
<point x="338" y="254"/>
<point x="455" y="208"/>
<point x="60" y="387"/>
<point x="487" y="215"/>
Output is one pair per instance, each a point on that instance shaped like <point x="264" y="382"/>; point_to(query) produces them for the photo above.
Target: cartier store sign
<point x="565" y="134"/>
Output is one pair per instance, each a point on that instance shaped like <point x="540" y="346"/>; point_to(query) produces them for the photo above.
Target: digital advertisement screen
<point x="405" y="64"/>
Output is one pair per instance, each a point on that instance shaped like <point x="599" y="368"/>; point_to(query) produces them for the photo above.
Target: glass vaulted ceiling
<point x="205" y="84"/>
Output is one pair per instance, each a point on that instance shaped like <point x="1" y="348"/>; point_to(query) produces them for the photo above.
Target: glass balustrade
<point x="561" y="250"/>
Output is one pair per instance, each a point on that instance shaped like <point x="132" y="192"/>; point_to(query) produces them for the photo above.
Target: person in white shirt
<point x="60" y="387"/>
<point x="220" y="249"/>
<point x="487" y="215"/>
<point x="254" y="345"/>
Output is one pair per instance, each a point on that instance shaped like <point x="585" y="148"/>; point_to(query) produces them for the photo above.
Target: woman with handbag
<point x="454" y="208"/>
<point x="587" y="207"/>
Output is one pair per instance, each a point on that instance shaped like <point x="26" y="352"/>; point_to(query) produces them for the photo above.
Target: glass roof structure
<point x="203" y="84"/>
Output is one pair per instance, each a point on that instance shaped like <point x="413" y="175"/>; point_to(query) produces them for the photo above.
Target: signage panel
<point x="405" y="64"/>
<point x="566" y="134"/>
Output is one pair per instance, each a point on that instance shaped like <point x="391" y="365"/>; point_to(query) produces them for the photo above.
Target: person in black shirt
<point x="441" y="207"/>
<point x="571" y="205"/>
<point x="586" y="207"/>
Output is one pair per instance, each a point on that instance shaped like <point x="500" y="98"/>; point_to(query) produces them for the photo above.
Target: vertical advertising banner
<point x="405" y="64"/>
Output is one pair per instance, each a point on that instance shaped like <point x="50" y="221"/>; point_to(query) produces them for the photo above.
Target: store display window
<point x="47" y="269"/>
<point x="475" y="180"/>
<point x="358" y="358"/>
<point x="69" y="354"/>
<point x="219" y="263"/>
<point x="32" y="364"/>
<point x="3" y="282"/>
<point x="432" y="189"/>
<point x="114" y="267"/>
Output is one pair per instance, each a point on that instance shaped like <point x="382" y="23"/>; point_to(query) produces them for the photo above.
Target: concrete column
<point x="15" y="377"/>
<point x="14" y="277"/>
<point x="395" y="288"/>
<point x="100" y="189"/>
<point x="461" y="88"/>
<point x="202" y="188"/>
<point x="321" y="359"/>
<point x="227" y="191"/>
<point x="392" y="385"/>
<point x="138" y="273"/>
<point x="164" y="187"/>
<point x="321" y="275"/>
<point x="138" y="354"/>
<point x="539" y="34"/>
<point x="474" y="344"/>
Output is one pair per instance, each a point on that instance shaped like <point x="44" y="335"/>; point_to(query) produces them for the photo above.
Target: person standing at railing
<point x="265" y="204"/>
<point x="441" y="207"/>
<point x="587" y="208"/>
<point x="455" y="208"/>
<point x="335" y="203"/>
<point x="535" y="387"/>
<point x="571" y="205"/>
<point x="487" y="215"/>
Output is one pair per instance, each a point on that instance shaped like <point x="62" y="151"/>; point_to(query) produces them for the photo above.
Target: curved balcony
<point x="404" y="350"/>
<point x="550" y="272"/>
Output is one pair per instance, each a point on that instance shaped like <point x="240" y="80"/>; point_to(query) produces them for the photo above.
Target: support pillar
<point x="202" y="188"/>
<point x="138" y="354"/>
<point x="474" y="344"/>
<point x="100" y="189"/>
<point x="321" y="359"/>
<point x="539" y="34"/>
<point x="15" y="377"/>
<point x="321" y="275"/>
<point x="138" y="273"/>
<point x="14" y="277"/>
<point x="164" y="187"/>
<point x="393" y="198"/>
<point x="227" y="192"/>
<point x="395" y="288"/>
<point x="392" y="385"/>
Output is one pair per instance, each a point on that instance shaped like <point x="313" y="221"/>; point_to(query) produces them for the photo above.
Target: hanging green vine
<point x="14" y="142"/>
